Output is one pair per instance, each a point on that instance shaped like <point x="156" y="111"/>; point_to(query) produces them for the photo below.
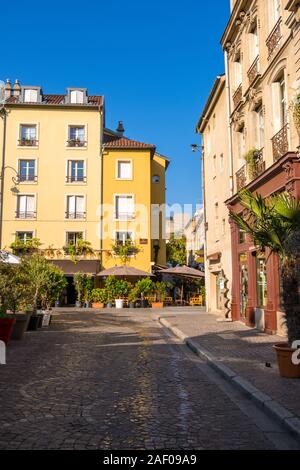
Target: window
<point x="279" y="98"/>
<point x="261" y="281"/>
<point x="28" y="135"/>
<point x="237" y="71"/>
<point x="124" y="207"/>
<point x="241" y="143"/>
<point x="27" y="170"/>
<point x="30" y="96"/>
<point x="76" y="173"/>
<point x="76" y="136"/>
<point x="122" y="237"/>
<point x="124" y="170"/>
<point x="155" y="179"/>
<point x="274" y="12"/>
<point x="253" y="44"/>
<point x="25" y="206"/>
<point x="73" y="237"/>
<point x="260" y="128"/>
<point x="75" y="207"/>
<point x="76" y="97"/>
<point x="242" y="236"/>
<point x="24" y="236"/>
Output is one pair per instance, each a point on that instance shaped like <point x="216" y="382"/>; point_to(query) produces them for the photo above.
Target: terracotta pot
<point x="97" y="305"/>
<point x="35" y="322"/>
<point x="6" y="329"/>
<point x="21" y="325"/>
<point x="284" y="359"/>
<point x="157" y="305"/>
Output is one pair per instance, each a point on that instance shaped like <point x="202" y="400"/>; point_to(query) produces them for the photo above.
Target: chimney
<point x="17" y="88"/>
<point x="7" y="92"/>
<point x="120" y="129"/>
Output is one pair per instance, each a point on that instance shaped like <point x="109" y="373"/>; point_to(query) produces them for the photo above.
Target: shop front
<point x="256" y="292"/>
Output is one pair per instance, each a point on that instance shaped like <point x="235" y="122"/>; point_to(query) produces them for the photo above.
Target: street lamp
<point x="196" y="147"/>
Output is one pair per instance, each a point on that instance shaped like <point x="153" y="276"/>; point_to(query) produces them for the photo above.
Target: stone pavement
<point x="244" y="350"/>
<point x="117" y="380"/>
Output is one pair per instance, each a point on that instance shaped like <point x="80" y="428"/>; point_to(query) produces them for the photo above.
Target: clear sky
<point x="154" y="60"/>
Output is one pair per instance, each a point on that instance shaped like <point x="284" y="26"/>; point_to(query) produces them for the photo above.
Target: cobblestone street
<point x="119" y="381"/>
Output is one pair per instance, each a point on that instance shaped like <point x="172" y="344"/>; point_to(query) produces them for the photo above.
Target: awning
<point x="85" y="266"/>
<point x="183" y="271"/>
<point x="124" y="271"/>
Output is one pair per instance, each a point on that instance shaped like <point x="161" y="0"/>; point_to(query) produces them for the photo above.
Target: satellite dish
<point x="2" y="92"/>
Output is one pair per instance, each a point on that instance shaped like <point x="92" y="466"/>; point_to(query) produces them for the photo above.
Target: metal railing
<point x="273" y="40"/>
<point x="75" y="215"/>
<point x="253" y="71"/>
<point x="280" y="143"/>
<point x="124" y="215"/>
<point x="241" y="178"/>
<point x="237" y="96"/>
<point x="76" y="179"/>
<point x="76" y="143"/>
<point x="27" y="178"/>
<point x="24" y="142"/>
<point x="25" y="215"/>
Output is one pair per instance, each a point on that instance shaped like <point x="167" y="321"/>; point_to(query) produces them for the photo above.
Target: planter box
<point x="260" y="319"/>
<point x="21" y="325"/>
<point x="284" y="358"/>
<point x="46" y="319"/>
<point x="6" y="329"/>
<point x="97" y="305"/>
<point x="119" y="303"/>
<point x="157" y="305"/>
<point x="35" y="322"/>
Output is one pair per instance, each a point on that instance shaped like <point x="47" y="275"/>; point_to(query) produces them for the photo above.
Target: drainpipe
<point x="3" y="114"/>
<point x="231" y="176"/>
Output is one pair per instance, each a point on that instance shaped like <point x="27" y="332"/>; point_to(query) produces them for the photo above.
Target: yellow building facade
<point x="61" y="167"/>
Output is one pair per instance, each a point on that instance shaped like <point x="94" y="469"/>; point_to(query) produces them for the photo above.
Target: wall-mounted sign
<point x="143" y="241"/>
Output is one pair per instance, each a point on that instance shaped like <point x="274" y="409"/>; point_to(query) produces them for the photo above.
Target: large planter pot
<point x="6" y="329"/>
<point x="21" y="325"/>
<point x="109" y="305"/>
<point x="97" y="305"/>
<point x="144" y="304"/>
<point x="78" y="304"/>
<point x="284" y="359"/>
<point x="119" y="303"/>
<point x="131" y="304"/>
<point x="46" y="318"/>
<point x="157" y="305"/>
<point x="35" y="322"/>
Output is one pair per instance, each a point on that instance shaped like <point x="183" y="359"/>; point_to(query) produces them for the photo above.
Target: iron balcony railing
<point x="253" y="71"/>
<point x="27" y="178"/>
<point x="241" y="178"/>
<point x="280" y="143"/>
<point x="76" y="143"/>
<point x="237" y="96"/>
<point x="76" y="179"/>
<point x="273" y="40"/>
<point x="25" y="215"/>
<point x="124" y="215"/>
<point x="75" y="215"/>
<point x="25" y="142"/>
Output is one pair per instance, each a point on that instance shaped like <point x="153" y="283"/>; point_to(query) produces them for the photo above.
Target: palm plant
<point x="274" y="223"/>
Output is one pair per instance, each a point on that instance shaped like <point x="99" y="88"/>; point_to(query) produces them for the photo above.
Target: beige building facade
<point x="216" y="188"/>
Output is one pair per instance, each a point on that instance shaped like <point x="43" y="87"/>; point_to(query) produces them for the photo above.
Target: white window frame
<point x="19" y="135"/>
<point x="35" y="160"/>
<point x="124" y="160"/>
<point x="124" y="231"/>
<point x="30" y="91"/>
<point x="76" y="93"/>
<point x="115" y="207"/>
<point x="77" y="124"/>
<point x="74" y="231"/>
<point x="25" y="231"/>
<point x="67" y="212"/>
<point x="34" y="208"/>
<point x="76" y="159"/>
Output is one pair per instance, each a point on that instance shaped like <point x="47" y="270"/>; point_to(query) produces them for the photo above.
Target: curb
<point x="272" y="407"/>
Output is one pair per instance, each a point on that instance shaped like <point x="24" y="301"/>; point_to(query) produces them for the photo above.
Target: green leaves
<point x="176" y="251"/>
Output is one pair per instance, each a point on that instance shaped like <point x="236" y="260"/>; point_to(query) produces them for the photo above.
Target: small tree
<point x="79" y="281"/>
<point x="55" y="285"/>
<point x="176" y="251"/>
<point x="35" y="269"/>
<point x="160" y="290"/>
<point x="144" y="287"/>
<point x="14" y="288"/>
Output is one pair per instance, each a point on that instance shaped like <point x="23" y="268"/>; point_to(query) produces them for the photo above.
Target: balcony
<point x="241" y="178"/>
<point x="253" y="72"/>
<point x="76" y="143"/>
<point x="237" y="96"/>
<point x="259" y="164"/>
<point x="274" y="38"/>
<point x="75" y="179"/>
<point x="25" y="142"/>
<point x="124" y="215"/>
<point x="25" y="215"/>
<point x="280" y="143"/>
<point x="75" y="215"/>
<point x="27" y="178"/>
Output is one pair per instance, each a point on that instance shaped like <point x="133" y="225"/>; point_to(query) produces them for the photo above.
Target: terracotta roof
<point x="123" y="142"/>
<point x="94" y="100"/>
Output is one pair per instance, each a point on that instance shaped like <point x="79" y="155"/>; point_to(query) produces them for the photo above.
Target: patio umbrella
<point x="124" y="271"/>
<point x="184" y="272"/>
<point x="8" y="258"/>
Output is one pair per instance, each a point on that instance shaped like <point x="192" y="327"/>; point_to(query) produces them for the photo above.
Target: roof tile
<point x="124" y="142"/>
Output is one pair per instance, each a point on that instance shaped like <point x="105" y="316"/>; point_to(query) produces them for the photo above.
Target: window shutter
<point x="80" y="204"/>
<point x="22" y="204"/>
<point x="277" y="124"/>
<point x="71" y="204"/>
<point x="30" y="203"/>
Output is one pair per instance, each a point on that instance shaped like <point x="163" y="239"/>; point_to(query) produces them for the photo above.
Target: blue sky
<point x="155" y="62"/>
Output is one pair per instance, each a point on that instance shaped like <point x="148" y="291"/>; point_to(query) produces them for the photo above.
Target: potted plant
<point x="21" y="248"/>
<point x="144" y="287"/>
<point x="160" y="290"/>
<point x="14" y="292"/>
<point x="87" y="293"/>
<point x="51" y="291"/>
<point x="133" y="296"/>
<point x="7" y="323"/>
<point x="99" y="298"/>
<point x="274" y="223"/>
<point x="125" y="251"/>
<point x="121" y="290"/>
<point x="79" y="283"/>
